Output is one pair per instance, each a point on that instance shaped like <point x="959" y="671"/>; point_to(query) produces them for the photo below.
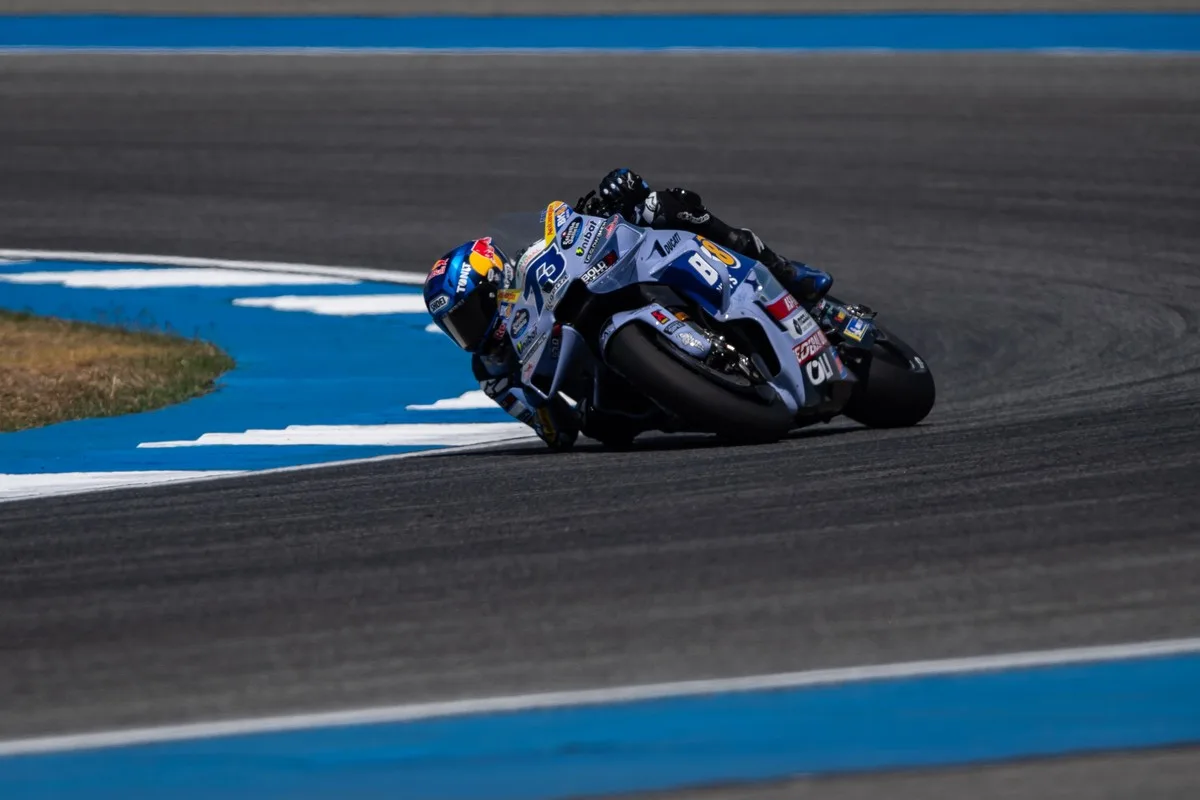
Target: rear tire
<point x="895" y="391"/>
<point x="638" y="355"/>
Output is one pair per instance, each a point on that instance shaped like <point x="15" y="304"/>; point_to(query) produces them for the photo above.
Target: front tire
<point x="896" y="388"/>
<point x="638" y="355"/>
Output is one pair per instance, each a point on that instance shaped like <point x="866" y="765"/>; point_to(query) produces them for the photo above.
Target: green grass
<point x="54" y="370"/>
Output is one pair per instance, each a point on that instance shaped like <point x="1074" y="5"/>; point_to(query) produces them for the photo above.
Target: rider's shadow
<point x="660" y="442"/>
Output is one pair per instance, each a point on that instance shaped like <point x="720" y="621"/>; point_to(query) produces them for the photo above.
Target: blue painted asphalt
<point x="660" y="744"/>
<point x="293" y="368"/>
<point x="1014" y="31"/>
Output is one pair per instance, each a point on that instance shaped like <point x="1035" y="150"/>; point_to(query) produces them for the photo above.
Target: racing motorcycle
<point x="666" y="330"/>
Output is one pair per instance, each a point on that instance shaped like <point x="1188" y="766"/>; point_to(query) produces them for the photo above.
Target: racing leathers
<point x="623" y="192"/>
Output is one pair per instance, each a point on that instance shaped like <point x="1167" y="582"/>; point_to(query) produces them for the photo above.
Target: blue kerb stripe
<point x="293" y="368"/>
<point x="660" y="744"/>
<point x="1019" y="31"/>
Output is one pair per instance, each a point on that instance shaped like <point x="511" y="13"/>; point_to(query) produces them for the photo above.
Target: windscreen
<point x="514" y="232"/>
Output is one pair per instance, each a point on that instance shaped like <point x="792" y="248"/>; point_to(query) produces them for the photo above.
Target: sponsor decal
<point x="438" y="303"/>
<point x="571" y="232"/>
<point x="601" y="267"/>
<point x="510" y="276"/>
<point x="782" y="306"/>
<point x="519" y="323"/>
<point x="855" y="329"/>
<point x="660" y="317"/>
<point x="918" y="365"/>
<point x="716" y="252"/>
<point x="819" y="370"/>
<point x="439" y="268"/>
<point x="508" y="401"/>
<point x="482" y="264"/>
<point x="694" y="218"/>
<point x="589" y="235"/>
<point x="508" y="295"/>
<point x="484" y="248"/>
<point x="593" y="247"/>
<point x="528" y="255"/>
<point x="557" y="214"/>
<point x="558" y="289"/>
<point x="690" y="340"/>
<point x="562" y="214"/>
<point x="531" y="342"/>
<point x="601" y="238"/>
<point x="498" y="332"/>
<point x="555" y="340"/>
<point x="802" y="325"/>
<point x="674" y="326"/>
<point x="810" y="347"/>
<point x="704" y="270"/>
<point x="611" y="225"/>
<point x="664" y="248"/>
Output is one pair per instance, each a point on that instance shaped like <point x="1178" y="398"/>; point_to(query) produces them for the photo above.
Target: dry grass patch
<point x="52" y="370"/>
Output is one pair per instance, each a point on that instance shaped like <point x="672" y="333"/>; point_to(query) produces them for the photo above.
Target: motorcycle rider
<point x="461" y="293"/>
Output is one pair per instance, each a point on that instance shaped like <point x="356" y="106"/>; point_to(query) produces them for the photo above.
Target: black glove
<point x="622" y="189"/>
<point x="591" y="204"/>
<point x="675" y="207"/>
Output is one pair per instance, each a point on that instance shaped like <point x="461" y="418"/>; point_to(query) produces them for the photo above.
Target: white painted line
<point x="167" y="278"/>
<point x="432" y="328"/>
<point x="24" y="487"/>
<point x="393" y="435"/>
<point x="219" y="476"/>
<point x="341" y="305"/>
<point x="590" y="697"/>
<point x="357" y="273"/>
<point x="464" y="402"/>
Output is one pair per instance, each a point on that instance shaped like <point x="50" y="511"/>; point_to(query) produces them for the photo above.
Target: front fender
<point x="664" y="322"/>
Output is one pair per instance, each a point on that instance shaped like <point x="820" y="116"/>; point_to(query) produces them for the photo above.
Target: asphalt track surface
<point x="1029" y="223"/>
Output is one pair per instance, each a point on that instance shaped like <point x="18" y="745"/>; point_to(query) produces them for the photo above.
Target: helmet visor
<point x="469" y="322"/>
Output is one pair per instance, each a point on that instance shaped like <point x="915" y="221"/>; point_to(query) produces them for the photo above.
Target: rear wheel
<point x="641" y="357"/>
<point x="895" y="387"/>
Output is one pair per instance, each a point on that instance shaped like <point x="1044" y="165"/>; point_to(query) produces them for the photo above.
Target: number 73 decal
<point x="541" y="275"/>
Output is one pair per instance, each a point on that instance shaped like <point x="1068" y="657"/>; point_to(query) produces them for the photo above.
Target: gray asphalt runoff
<point x="1030" y="223"/>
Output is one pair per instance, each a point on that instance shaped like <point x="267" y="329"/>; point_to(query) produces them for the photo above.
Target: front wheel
<point x="895" y="387"/>
<point x="640" y="357"/>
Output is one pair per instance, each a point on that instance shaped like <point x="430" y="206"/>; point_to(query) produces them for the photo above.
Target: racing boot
<point x="805" y="283"/>
<point x="808" y="284"/>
